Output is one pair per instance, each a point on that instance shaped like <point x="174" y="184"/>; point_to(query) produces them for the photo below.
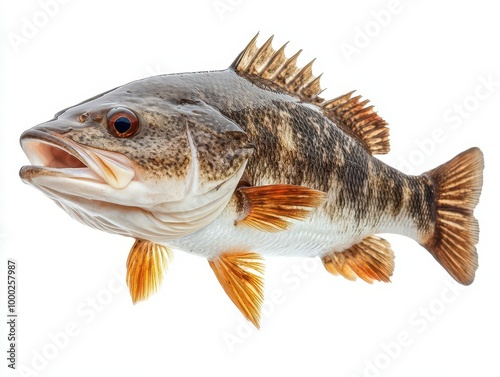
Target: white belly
<point x="316" y="236"/>
<point x="313" y="237"/>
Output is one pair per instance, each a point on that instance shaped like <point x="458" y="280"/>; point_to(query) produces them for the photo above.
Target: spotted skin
<point x="160" y="148"/>
<point x="296" y="144"/>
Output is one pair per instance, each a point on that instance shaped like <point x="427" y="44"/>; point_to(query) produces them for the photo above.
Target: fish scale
<point x="250" y="161"/>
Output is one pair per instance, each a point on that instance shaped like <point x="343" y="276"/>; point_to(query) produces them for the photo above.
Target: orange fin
<point x="458" y="185"/>
<point x="270" y="208"/>
<point x="359" y="121"/>
<point x="371" y="259"/>
<point x="242" y="277"/>
<point x="145" y="266"/>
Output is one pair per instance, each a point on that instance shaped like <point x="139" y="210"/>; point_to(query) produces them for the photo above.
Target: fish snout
<point x="48" y="149"/>
<point x="53" y="126"/>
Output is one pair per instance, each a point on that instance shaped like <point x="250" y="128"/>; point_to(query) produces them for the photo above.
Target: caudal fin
<point x="457" y="184"/>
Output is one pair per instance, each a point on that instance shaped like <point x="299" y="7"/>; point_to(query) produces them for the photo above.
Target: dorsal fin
<point x="364" y="124"/>
<point x="272" y="66"/>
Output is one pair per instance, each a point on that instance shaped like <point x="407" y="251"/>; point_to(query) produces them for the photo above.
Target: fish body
<point x="364" y="196"/>
<point x="250" y="161"/>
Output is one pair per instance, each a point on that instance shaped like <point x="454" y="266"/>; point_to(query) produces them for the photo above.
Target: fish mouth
<point x="53" y="154"/>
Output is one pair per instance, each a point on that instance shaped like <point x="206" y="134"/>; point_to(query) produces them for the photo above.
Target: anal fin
<point x="371" y="259"/>
<point x="241" y="276"/>
<point x="146" y="264"/>
<point x="271" y="208"/>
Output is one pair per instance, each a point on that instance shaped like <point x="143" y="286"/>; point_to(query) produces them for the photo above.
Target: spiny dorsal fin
<point x="273" y="66"/>
<point x="371" y="259"/>
<point x="145" y="266"/>
<point x="242" y="277"/>
<point x="362" y="122"/>
<point x="348" y="112"/>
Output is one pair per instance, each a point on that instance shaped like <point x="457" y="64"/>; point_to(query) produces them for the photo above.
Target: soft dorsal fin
<point x="364" y="124"/>
<point x="267" y="64"/>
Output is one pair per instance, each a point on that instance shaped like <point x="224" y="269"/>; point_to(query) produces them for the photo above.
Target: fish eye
<point x="122" y="122"/>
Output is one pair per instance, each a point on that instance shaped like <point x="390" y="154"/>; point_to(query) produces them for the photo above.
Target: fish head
<point x="136" y="163"/>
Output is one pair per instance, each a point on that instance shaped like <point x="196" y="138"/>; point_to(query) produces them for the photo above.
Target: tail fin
<point x="457" y="184"/>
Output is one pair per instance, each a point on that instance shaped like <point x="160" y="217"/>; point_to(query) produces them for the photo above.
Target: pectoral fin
<point x="241" y="276"/>
<point x="271" y="208"/>
<point x="146" y="264"/>
<point x="371" y="259"/>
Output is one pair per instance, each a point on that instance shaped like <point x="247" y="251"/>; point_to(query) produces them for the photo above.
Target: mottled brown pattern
<point x="296" y="144"/>
<point x="327" y="148"/>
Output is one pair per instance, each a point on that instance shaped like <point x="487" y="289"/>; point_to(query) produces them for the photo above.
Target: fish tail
<point x="457" y="187"/>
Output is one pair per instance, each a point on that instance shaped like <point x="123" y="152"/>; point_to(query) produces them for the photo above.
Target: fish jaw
<point x="51" y="154"/>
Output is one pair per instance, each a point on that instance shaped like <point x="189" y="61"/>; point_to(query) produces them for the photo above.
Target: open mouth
<point x="54" y="154"/>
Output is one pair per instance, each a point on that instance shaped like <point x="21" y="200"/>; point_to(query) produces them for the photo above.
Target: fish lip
<point x="51" y="153"/>
<point x="50" y="140"/>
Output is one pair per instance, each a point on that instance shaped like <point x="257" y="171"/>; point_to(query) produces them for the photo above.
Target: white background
<point x="417" y="64"/>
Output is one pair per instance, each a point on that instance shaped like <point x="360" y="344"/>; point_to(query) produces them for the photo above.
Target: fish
<point x="251" y="161"/>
